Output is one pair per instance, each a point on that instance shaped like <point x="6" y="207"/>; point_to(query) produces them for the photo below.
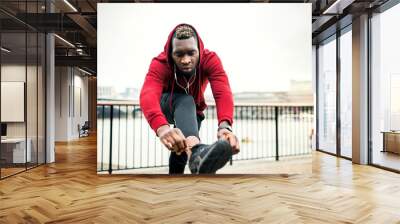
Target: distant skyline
<point x="299" y="92"/>
<point x="121" y="86"/>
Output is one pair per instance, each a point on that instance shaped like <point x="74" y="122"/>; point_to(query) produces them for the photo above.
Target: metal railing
<point x="126" y="141"/>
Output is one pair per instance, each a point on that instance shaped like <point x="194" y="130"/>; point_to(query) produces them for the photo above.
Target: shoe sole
<point x="216" y="158"/>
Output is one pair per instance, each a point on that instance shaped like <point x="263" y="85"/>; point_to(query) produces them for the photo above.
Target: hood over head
<point x="168" y="46"/>
<point x="167" y="52"/>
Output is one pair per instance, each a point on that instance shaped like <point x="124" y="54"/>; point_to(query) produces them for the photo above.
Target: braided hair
<point x="184" y="32"/>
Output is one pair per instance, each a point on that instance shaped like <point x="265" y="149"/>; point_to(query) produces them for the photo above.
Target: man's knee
<point x="186" y="100"/>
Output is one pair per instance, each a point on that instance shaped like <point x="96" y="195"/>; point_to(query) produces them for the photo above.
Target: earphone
<point x="188" y="84"/>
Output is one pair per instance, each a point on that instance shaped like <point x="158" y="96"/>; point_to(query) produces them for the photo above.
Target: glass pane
<point x="32" y="83"/>
<point x="31" y="100"/>
<point x="22" y="67"/>
<point x="41" y="98"/>
<point x="13" y="84"/>
<point x="386" y="89"/>
<point x="327" y="96"/>
<point x="346" y="94"/>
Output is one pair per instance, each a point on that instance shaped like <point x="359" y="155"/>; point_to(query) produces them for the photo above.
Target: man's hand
<point x="231" y="138"/>
<point x="172" y="138"/>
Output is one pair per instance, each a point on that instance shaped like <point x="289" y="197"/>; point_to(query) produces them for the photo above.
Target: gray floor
<point x="289" y="165"/>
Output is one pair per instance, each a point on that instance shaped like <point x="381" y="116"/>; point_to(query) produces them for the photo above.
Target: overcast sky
<point x="262" y="46"/>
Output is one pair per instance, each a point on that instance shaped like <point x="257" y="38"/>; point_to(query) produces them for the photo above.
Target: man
<point x="173" y="93"/>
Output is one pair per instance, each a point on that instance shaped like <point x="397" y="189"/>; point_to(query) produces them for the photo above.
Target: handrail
<point x="126" y="141"/>
<point x="136" y="103"/>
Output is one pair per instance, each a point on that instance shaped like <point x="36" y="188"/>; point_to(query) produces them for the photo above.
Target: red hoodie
<point x="160" y="79"/>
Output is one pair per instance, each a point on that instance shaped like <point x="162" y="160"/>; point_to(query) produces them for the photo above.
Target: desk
<point x="391" y="141"/>
<point x="13" y="150"/>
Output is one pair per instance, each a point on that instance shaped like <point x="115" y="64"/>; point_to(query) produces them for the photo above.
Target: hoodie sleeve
<point x="150" y="96"/>
<point x="220" y="88"/>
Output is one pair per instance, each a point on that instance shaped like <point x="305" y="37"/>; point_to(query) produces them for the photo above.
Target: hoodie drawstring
<point x="170" y="97"/>
<point x="190" y="91"/>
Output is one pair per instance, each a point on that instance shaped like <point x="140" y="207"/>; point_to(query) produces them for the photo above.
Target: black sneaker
<point x="209" y="158"/>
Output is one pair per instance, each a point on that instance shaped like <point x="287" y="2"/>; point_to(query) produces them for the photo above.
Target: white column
<point x="50" y="100"/>
<point x="50" y="92"/>
<point x="360" y="90"/>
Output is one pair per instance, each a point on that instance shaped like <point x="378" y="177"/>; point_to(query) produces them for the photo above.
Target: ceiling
<point x="76" y="22"/>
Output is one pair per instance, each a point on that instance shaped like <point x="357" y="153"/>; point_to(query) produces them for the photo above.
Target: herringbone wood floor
<point x="70" y="191"/>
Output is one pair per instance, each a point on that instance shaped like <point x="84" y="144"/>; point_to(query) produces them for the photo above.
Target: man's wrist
<point x="225" y="125"/>
<point x="162" y="129"/>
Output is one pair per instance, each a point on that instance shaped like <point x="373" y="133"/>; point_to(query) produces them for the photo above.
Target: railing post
<point x="276" y="135"/>
<point x="230" y="160"/>
<point x="111" y="137"/>
<point x="102" y="136"/>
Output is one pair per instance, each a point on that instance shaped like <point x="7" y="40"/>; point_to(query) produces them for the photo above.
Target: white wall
<point x="80" y="109"/>
<point x="13" y="73"/>
<point x="71" y="94"/>
<point x="61" y="103"/>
